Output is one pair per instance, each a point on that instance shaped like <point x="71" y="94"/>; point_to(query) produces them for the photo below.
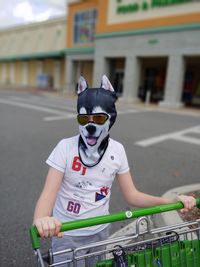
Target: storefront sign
<point x="134" y="6"/>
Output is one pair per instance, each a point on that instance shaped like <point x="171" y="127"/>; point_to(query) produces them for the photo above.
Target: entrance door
<point x="118" y="82"/>
<point x="191" y="85"/>
<point x="116" y="67"/>
<point x="154" y="80"/>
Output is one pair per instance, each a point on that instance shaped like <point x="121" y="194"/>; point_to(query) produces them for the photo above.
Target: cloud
<point x="15" y="12"/>
<point x="24" y="10"/>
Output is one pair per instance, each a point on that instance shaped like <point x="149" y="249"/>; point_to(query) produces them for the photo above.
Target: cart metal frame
<point x="175" y="245"/>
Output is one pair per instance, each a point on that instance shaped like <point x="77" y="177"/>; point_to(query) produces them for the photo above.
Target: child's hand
<point x="48" y="226"/>
<point x="188" y="201"/>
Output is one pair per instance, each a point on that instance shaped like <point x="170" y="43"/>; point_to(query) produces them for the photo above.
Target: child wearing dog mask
<point x="81" y="172"/>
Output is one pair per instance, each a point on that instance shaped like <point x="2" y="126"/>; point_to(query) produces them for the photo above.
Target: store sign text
<point x="145" y="5"/>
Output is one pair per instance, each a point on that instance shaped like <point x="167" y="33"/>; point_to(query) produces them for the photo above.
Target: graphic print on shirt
<point x="77" y="165"/>
<point x="80" y="202"/>
<point x="74" y="206"/>
<point x="83" y="184"/>
<point x="103" y="193"/>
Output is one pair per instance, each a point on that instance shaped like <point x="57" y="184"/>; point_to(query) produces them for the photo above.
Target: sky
<point x="18" y="12"/>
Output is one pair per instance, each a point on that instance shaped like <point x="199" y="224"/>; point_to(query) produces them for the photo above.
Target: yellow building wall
<point x="62" y="74"/>
<point x="8" y="72"/>
<point x="18" y="72"/>
<point x="87" y="71"/>
<point x="12" y="73"/>
<point x="1" y="71"/>
<point x="32" y="79"/>
<point x="48" y="66"/>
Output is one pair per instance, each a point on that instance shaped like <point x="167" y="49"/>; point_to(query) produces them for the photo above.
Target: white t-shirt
<point x="85" y="192"/>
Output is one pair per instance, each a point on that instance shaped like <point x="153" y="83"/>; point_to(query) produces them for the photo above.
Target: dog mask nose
<point x="91" y="129"/>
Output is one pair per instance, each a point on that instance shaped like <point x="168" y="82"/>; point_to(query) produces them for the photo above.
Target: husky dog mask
<point x="94" y="138"/>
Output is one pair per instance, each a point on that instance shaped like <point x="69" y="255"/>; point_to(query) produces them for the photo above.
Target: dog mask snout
<point x="91" y="129"/>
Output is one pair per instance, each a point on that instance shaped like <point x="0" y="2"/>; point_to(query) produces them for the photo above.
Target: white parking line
<point x="127" y="111"/>
<point x="39" y="101"/>
<point x="187" y="139"/>
<point x="58" y="118"/>
<point x="173" y="136"/>
<point x="61" y="115"/>
<point x="30" y="106"/>
<point x="19" y="102"/>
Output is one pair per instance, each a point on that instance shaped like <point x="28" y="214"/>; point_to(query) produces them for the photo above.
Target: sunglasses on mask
<point x="98" y="118"/>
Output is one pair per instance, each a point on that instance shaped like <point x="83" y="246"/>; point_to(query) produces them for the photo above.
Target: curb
<point x="172" y="217"/>
<point x="162" y="219"/>
<point x="189" y="111"/>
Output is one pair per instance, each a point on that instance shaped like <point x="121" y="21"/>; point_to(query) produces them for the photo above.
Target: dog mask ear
<point x="105" y="83"/>
<point x="82" y="85"/>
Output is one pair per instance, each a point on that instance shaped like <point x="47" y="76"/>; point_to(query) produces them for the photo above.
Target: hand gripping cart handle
<point x="120" y="216"/>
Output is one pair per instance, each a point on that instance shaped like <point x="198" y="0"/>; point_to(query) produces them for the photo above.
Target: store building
<point x="145" y="47"/>
<point x="34" y="54"/>
<point x="148" y="49"/>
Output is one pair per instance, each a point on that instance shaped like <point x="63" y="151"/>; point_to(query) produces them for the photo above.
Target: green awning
<point x="39" y="55"/>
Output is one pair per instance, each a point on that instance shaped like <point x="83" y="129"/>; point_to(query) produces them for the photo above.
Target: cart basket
<point x="168" y="247"/>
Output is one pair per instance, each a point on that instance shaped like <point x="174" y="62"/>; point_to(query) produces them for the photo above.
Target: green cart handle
<point x="120" y="216"/>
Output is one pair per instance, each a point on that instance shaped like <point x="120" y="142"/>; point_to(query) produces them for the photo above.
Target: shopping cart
<point x="169" y="246"/>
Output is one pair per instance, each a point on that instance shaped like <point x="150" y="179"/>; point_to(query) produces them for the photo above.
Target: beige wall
<point x="33" y="38"/>
<point x="21" y="43"/>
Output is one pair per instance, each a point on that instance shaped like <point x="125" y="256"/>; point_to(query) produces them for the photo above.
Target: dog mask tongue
<point x="91" y="141"/>
<point x="93" y="144"/>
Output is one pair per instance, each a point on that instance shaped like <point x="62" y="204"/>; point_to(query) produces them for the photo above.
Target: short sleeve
<point x="58" y="157"/>
<point x="124" y="167"/>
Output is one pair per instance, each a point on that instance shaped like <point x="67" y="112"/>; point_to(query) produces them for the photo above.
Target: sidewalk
<point x="184" y="110"/>
<point x="173" y="217"/>
<point x="191" y="111"/>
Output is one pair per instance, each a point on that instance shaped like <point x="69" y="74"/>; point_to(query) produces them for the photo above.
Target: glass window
<point x="84" y="26"/>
